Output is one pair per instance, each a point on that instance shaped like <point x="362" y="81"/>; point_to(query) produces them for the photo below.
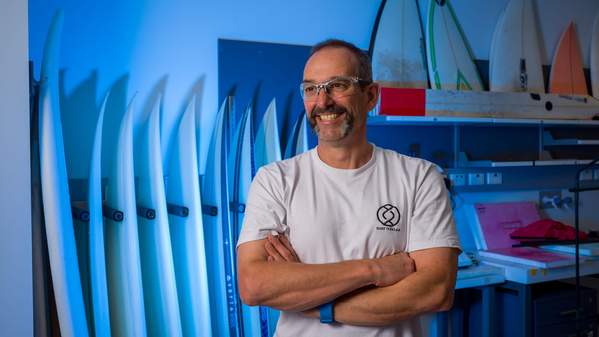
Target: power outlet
<point x="550" y="199"/>
<point x="476" y="179"/>
<point x="494" y="178"/>
<point x="457" y="179"/>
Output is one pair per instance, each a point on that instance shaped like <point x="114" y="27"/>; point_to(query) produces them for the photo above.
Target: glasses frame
<point x="325" y="86"/>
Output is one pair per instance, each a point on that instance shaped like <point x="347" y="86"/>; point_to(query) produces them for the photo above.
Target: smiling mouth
<point x="329" y="116"/>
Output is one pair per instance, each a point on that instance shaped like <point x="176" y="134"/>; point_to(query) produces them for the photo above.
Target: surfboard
<point x="158" y="271"/>
<point x="241" y="172"/>
<point x="398" y="56"/>
<point x="567" y="75"/>
<point x="267" y="149"/>
<point x="100" y="322"/>
<point x="60" y="233"/>
<point x="594" y="60"/>
<point x="298" y="139"/>
<point x="515" y="58"/>
<point x="187" y="233"/>
<point x="218" y="231"/>
<point x="484" y="104"/>
<point x="450" y="62"/>
<point x="125" y="290"/>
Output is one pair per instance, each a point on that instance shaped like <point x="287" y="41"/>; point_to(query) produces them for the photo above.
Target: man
<point x="365" y="236"/>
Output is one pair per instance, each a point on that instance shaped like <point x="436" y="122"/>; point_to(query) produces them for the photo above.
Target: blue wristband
<point x="326" y="313"/>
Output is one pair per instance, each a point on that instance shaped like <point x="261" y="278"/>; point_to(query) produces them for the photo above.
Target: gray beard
<point x="346" y="127"/>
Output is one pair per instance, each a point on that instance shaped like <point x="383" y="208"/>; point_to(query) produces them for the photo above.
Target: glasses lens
<point x="308" y="90"/>
<point x="339" y="87"/>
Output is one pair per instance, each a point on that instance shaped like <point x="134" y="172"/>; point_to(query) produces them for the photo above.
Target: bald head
<point x="360" y="59"/>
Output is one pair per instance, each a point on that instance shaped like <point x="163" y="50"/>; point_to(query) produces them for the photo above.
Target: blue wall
<point x="170" y="47"/>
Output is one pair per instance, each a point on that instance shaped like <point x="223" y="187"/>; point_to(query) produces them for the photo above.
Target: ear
<point x="373" y="95"/>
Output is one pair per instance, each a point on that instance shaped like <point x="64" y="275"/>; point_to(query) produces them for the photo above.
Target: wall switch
<point x="494" y="178"/>
<point x="476" y="178"/>
<point x="457" y="179"/>
<point x="586" y="175"/>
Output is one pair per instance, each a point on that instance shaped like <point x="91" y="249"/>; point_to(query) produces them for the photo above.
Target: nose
<point x="323" y="99"/>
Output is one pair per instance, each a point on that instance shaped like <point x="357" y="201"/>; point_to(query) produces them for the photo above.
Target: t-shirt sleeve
<point x="264" y="211"/>
<point x="432" y="224"/>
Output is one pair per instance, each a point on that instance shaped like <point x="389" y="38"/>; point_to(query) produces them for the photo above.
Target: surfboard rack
<point x="80" y="214"/>
<point x="210" y="210"/>
<point x="237" y="207"/>
<point x="145" y="212"/>
<point x="112" y="214"/>
<point x="177" y="210"/>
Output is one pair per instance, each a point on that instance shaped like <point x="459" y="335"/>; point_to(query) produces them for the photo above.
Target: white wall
<point x="15" y="211"/>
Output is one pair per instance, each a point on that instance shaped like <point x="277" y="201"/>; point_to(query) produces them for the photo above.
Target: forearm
<point x="298" y="286"/>
<point x="429" y="289"/>
<point x="380" y="306"/>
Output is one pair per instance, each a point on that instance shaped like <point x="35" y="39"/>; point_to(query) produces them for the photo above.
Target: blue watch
<point x="326" y="313"/>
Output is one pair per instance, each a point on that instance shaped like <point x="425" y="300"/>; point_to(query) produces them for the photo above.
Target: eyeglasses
<point x="336" y="87"/>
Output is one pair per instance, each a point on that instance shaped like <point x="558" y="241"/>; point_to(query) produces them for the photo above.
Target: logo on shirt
<point x="388" y="215"/>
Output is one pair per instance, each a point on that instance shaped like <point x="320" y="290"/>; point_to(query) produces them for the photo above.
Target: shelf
<point x="381" y="120"/>
<point x="586" y="187"/>
<point x="548" y="140"/>
<point x="463" y="161"/>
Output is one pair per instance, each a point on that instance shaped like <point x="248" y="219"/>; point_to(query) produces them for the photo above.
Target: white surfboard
<point x="187" y="233"/>
<point x="268" y="142"/>
<point x="218" y="232"/>
<point x="97" y="257"/>
<point x="62" y="249"/>
<point x="515" y="59"/>
<point x="125" y="291"/>
<point x="158" y="272"/>
<point x="267" y="149"/>
<point x="241" y="172"/>
<point x="398" y="56"/>
<point x="450" y="62"/>
<point x="594" y="60"/>
<point x="298" y="140"/>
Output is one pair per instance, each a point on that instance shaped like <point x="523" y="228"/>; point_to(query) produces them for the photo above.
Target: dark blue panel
<point x="255" y="72"/>
<point x="433" y="143"/>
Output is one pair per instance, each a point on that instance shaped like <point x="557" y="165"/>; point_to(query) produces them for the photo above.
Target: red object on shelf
<point x="403" y="102"/>
<point x="547" y="229"/>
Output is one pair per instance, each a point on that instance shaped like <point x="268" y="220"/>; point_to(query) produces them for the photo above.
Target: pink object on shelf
<point x="498" y="220"/>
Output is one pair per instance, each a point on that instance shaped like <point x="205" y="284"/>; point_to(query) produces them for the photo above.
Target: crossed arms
<point x="370" y="292"/>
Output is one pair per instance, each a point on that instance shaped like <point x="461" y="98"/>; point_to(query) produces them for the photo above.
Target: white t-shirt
<point x="391" y="204"/>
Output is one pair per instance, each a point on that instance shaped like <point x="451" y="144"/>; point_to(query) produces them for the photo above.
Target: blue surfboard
<point x="60" y="234"/>
<point x="241" y="172"/>
<point x="158" y="271"/>
<point x="298" y="139"/>
<point x="267" y="149"/>
<point x="100" y="321"/>
<point x="187" y="233"/>
<point x="125" y="291"/>
<point x="220" y="244"/>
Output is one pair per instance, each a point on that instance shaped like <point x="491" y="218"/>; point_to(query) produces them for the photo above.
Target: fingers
<point x="279" y="248"/>
<point x="273" y="254"/>
<point x="287" y="244"/>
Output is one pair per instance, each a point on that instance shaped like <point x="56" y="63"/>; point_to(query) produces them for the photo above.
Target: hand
<point x="393" y="268"/>
<point x="279" y="249"/>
